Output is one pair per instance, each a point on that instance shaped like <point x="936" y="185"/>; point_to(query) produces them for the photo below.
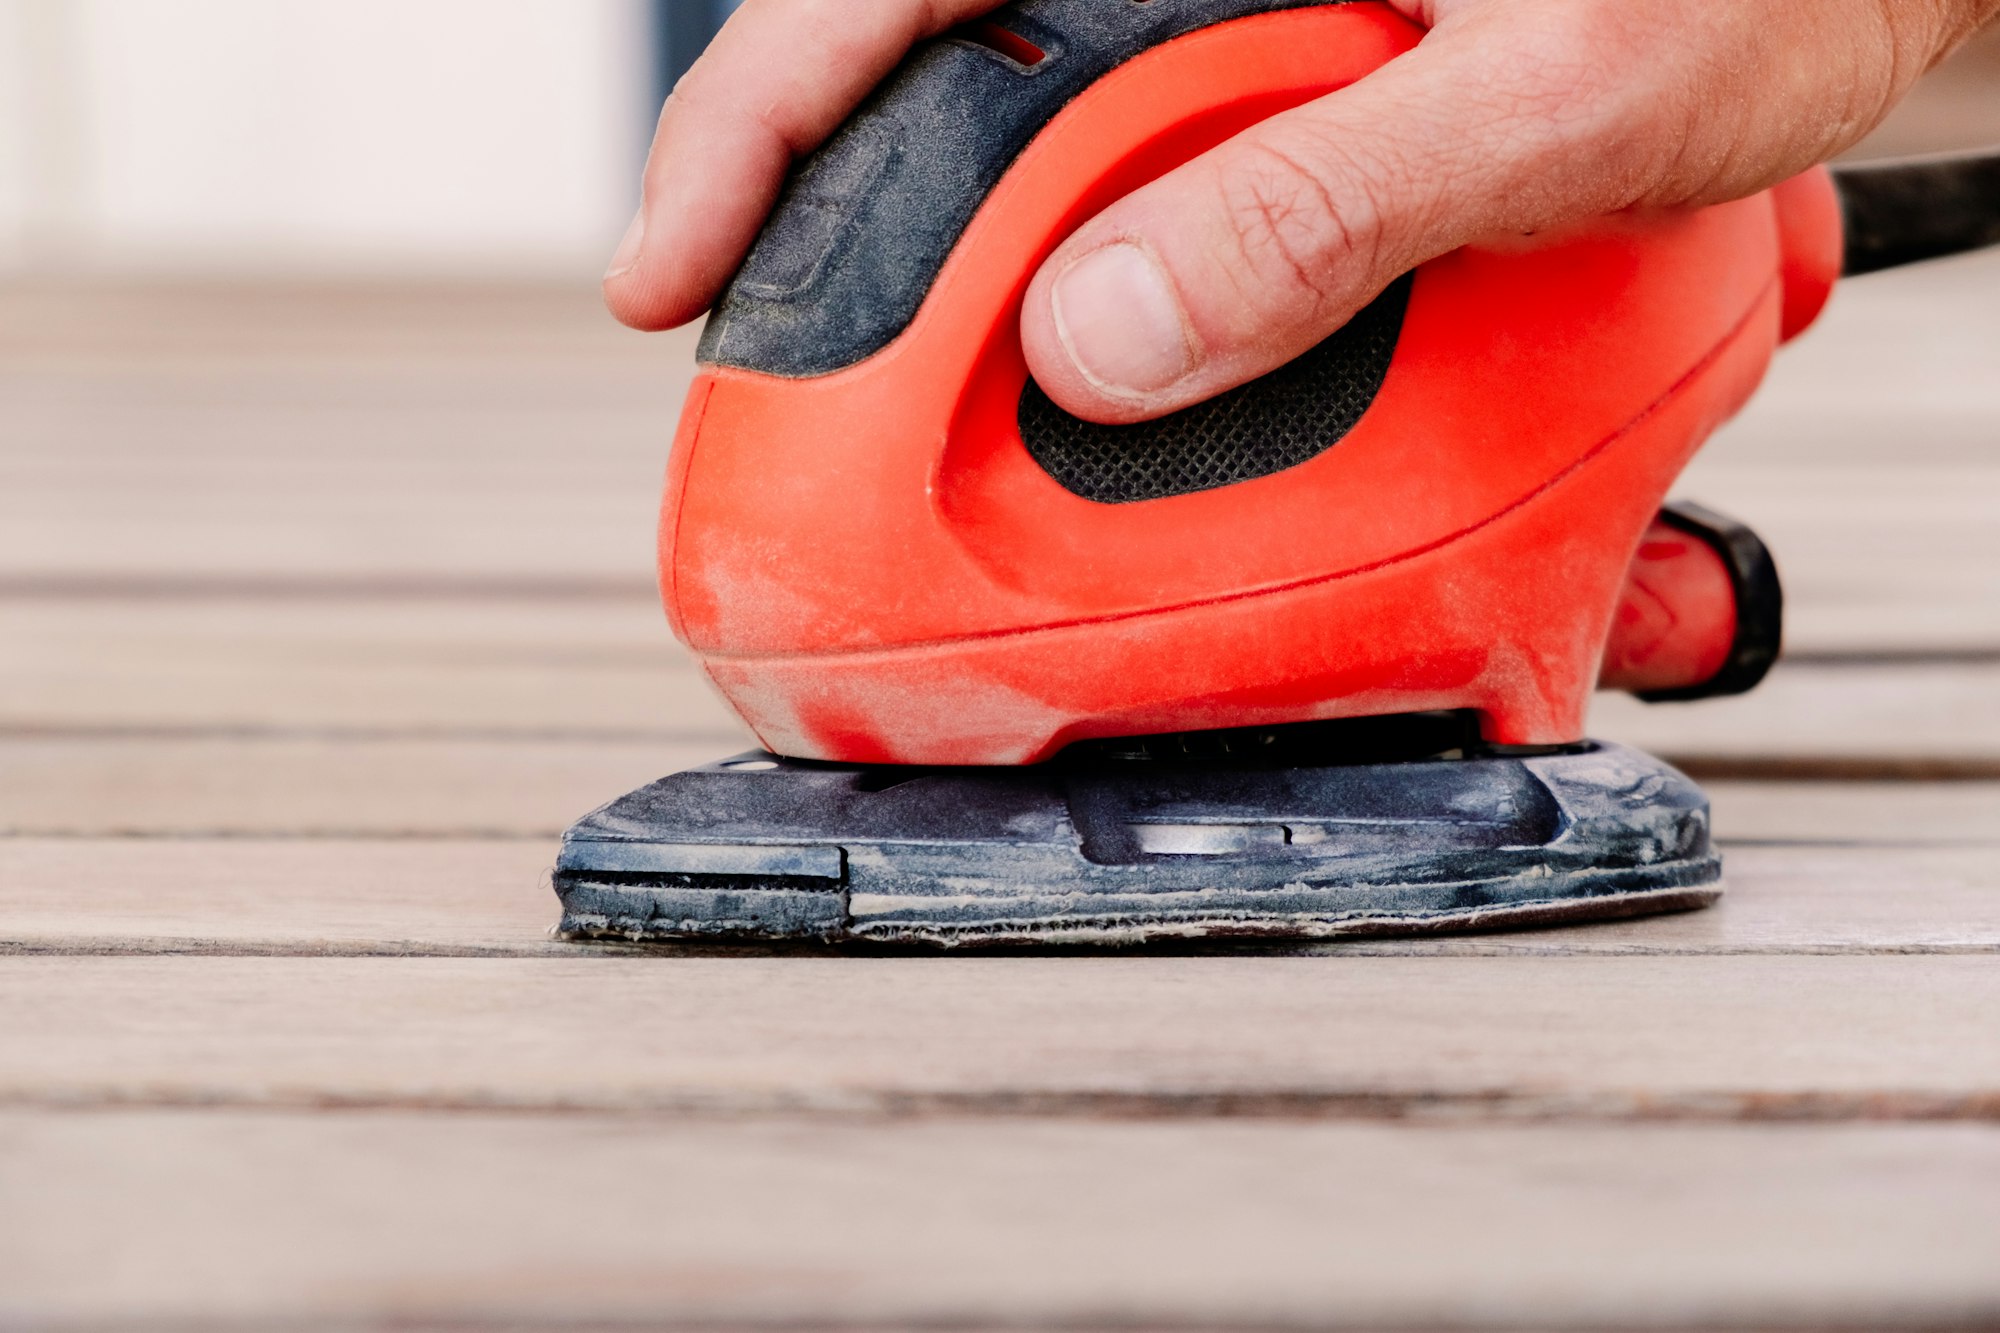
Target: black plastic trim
<point x="867" y="222"/>
<point x="1760" y="603"/>
<point x="1906" y="212"/>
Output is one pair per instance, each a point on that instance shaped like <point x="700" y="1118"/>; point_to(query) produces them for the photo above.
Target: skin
<point x="1511" y="116"/>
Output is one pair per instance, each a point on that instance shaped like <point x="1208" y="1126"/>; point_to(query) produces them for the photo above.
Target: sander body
<point x="1311" y="659"/>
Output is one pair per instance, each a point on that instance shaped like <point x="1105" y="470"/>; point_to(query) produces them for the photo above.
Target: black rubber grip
<point x="1288" y="417"/>
<point x="1900" y="213"/>
<point x="867" y="222"/>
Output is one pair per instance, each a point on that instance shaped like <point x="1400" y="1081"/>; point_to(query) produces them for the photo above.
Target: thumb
<point x="1251" y="255"/>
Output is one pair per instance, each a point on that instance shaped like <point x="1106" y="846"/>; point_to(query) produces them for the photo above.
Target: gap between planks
<point x="1415" y="1108"/>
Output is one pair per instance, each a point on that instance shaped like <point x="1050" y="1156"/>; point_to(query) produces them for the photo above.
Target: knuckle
<point x="1579" y="80"/>
<point x="1295" y="235"/>
<point x="1575" y="117"/>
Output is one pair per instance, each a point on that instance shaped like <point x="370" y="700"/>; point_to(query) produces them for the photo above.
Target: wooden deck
<point x="323" y="610"/>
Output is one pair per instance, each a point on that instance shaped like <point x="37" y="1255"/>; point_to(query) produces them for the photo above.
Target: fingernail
<point x="1121" y="323"/>
<point x="626" y="258"/>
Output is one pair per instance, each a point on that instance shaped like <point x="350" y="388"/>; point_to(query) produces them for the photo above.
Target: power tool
<point x="1308" y="660"/>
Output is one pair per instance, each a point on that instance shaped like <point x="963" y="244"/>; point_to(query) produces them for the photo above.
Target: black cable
<point x="1925" y="208"/>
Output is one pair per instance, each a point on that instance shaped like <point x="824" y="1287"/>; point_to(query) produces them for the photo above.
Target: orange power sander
<point x="1308" y="660"/>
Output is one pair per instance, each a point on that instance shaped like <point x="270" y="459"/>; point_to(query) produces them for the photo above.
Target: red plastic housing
<point x="1675" y="623"/>
<point x="873" y="570"/>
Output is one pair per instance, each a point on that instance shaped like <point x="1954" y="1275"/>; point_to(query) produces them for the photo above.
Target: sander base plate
<point x="1129" y="846"/>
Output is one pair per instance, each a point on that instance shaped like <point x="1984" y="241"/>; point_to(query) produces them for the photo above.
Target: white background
<point x="475" y="136"/>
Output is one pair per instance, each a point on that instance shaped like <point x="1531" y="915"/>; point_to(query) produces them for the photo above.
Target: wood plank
<point x="498" y="434"/>
<point x="1875" y="556"/>
<point x="1866" y="462"/>
<point x="308" y="786"/>
<point x="1829" y="814"/>
<point x="468" y="476"/>
<point x="549" y="667"/>
<point x="425" y="897"/>
<point x="223" y="1220"/>
<point x="1644" y="1039"/>
<point x="1890" y="715"/>
<point x="241" y="896"/>
<point x="1893" y="375"/>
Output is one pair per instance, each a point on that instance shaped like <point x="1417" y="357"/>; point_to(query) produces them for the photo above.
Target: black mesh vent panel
<point x="1290" y="416"/>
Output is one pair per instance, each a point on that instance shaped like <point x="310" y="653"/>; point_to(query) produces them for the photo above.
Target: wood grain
<point x="356" y="666"/>
<point x="1868" y="462"/>
<point x="329" y="787"/>
<point x="1831" y="814"/>
<point x="223" y="1220"/>
<point x="288" y="434"/>
<point x="1828" y="713"/>
<point x="1693" y="1038"/>
<point x="447" y="898"/>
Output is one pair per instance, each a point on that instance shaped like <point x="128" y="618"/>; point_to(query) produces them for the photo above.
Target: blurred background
<point x="414" y="136"/>
<point x="463" y="137"/>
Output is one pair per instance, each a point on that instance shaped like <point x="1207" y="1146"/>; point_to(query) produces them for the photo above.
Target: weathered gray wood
<point x="245" y="1221"/>
<point x="424" y="897"/>
<point x="1869" y="460"/>
<point x="1884" y="716"/>
<point x="455" y="477"/>
<point x="1743" y="1038"/>
<point x="490" y="763"/>
<point x="501" y="436"/>
<point x="435" y="510"/>
<point x="553" y="667"/>
<point x="1894" y="376"/>
<point x="453" y="897"/>
<point x="1876" y="555"/>
<point x="328" y="786"/>
<point x="1827" y="814"/>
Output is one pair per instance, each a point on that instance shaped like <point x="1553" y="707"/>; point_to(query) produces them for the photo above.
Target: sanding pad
<point x="1125" y="843"/>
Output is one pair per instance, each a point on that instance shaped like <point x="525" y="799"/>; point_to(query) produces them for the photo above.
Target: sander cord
<point x="1905" y="212"/>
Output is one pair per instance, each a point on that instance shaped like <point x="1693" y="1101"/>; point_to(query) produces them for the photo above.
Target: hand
<point x="1511" y="116"/>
